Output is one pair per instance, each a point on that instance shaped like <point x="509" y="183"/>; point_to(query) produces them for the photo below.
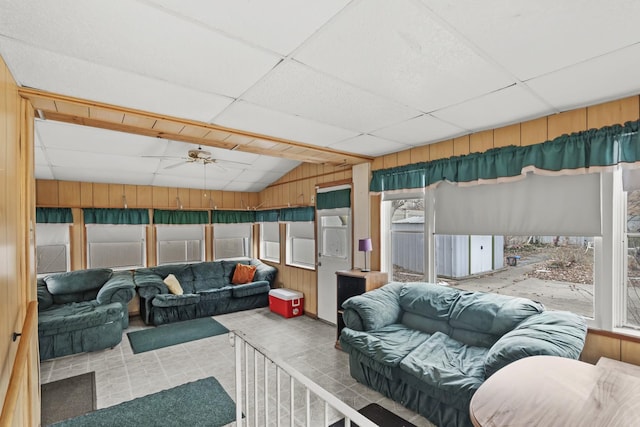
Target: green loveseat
<point x="430" y="347"/>
<point x="207" y="290"/>
<point x="83" y="310"/>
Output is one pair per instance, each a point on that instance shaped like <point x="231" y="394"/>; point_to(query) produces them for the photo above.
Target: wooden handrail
<point x="19" y="365"/>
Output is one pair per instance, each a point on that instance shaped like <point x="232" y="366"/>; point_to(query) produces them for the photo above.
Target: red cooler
<point x="286" y="302"/>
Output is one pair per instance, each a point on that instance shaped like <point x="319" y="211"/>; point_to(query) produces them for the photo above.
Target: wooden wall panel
<point x="481" y="141"/>
<point x="160" y="197"/>
<point x="86" y="194"/>
<point x="117" y="198"/>
<point x="630" y="352"/>
<point x="418" y="154"/>
<point x="441" y="150"/>
<point x="614" y="112"/>
<point x="461" y="146"/>
<point x="47" y="193"/>
<point x="508" y="135"/>
<point x="100" y="195"/>
<point x="566" y="123"/>
<point x="69" y="193"/>
<point x="533" y="131"/>
<point x="597" y="345"/>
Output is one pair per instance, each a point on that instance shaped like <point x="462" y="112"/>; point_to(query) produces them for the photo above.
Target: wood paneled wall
<point x="17" y="266"/>
<point x="73" y="194"/>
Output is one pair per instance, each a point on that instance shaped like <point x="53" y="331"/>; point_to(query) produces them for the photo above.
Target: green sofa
<point x="430" y="347"/>
<point x="83" y="310"/>
<point x="207" y="290"/>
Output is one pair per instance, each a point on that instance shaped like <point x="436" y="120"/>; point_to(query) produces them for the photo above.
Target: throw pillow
<point x="173" y="284"/>
<point x="243" y="274"/>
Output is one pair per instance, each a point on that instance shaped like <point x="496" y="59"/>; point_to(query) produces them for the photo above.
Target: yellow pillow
<point x="173" y="285"/>
<point x="243" y="274"/>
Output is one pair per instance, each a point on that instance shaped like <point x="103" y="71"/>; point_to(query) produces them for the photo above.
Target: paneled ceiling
<point x="326" y="81"/>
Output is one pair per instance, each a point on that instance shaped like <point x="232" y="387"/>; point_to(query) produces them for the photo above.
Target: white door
<point x="334" y="254"/>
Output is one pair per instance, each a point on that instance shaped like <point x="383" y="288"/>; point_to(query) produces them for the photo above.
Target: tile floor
<point x="302" y="342"/>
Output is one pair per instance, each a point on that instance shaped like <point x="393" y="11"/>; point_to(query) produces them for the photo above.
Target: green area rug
<point x="174" y="333"/>
<point x="200" y="403"/>
<point x="67" y="398"/>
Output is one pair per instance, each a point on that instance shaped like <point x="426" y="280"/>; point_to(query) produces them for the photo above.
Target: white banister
<point x="244" y="351"/>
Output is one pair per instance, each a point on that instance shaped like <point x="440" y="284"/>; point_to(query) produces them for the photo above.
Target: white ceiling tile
<point x="496" y="109"/>
<point x="59" y="74"/>
<point x="420" y="130"/>
<point x="276" y="164"/>
<point x="44" y="173"/>
<point x="253" y="118"/>
<point x="398" y="50"/>
<point x="178" y="181"/>
<point x="531" y="38"/>
<point x="111" y="176"/>
<point x="160" y="45"/>
<point x="583" y="84"/>
<point x="278" y="25"/>
<point x="96" y="161"/>
<point x="369" y="145"/>
<point x="66" y="136"/>
<point x="296" y="89"/>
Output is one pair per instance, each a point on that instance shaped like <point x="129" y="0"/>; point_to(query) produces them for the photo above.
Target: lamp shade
<point x="364" y="245"/>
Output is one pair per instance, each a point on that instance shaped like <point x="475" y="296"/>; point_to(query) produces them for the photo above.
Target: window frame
<point x="229" y="232"/>
<point x="264" y="242"/>
<point x="290" y="246"/>
<point x="189" y="229"/>
<point x="66" y="242"/>
<point x="142" y="242"/>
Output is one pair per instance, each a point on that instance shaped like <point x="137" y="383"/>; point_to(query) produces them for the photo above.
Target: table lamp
<point x="364" y="245"/>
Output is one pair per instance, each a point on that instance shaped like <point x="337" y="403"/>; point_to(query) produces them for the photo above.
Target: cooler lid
<point x="286" y="294"/>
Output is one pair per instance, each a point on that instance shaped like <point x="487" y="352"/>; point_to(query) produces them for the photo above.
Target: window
<point x="231" y="240"/>
<point x="52" y="248"/>
<point x="270" y="241"/>
<point x="632" y="259"/>
<point x="180" y="243"/>
<point x="116" y="246"/>
<point x="301" y="244"/>
<point x="407" y="245"/>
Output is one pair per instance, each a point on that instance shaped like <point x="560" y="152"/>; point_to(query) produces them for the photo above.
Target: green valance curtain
<point x="302" y="214"/>
<point x="589" y="151"/>
<point x="116" y="216"/>
<point x="180" y="217"/>
<point x="232" y="217"/>
<point x="271" y="215"/>
<point x="334" y="199"/>
<point x="54" y="216"/>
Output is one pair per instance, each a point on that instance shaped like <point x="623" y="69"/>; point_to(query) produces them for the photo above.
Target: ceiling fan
<point x="199" y="156"/>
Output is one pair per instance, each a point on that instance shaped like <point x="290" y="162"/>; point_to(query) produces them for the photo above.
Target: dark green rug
<point x="174" y="333"/>
<point x="67" y="398"/>
<point x="200" y="403"/>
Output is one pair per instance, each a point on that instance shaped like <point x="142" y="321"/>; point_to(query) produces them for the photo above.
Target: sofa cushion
<point x="446" y="369"/>
<point x="170" y="300"/>
<point x="375" y="309"/>
<point x="77" y="316"/>
<point x="255" y="288"/>
<point x="77" y="282"/>
<point x="243" y="274"/>
<point x="428" y="300"/>
<point x="173" y="285"/>
<point x="556" y="333"/>
<point x="182" y="272"/>
<point x="491" y="313"/>
<point x="209" y="275"/>
<point x="387" y="345"/>
<point x="45" y="299"/>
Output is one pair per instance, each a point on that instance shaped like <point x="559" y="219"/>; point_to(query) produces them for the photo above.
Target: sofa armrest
<point x="149" y="284"/>
<point x="119" y="288"/>
<point x="373" y="310"/>
<point x="550" y="333"/>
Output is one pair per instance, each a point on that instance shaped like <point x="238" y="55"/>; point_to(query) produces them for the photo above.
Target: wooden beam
<point x="62" y="108"/>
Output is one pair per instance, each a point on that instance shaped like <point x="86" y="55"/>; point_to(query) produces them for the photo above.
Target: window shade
<point x="536" y="205"/>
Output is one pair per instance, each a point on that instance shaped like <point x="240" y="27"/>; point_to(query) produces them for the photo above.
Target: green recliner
<point x="83" y="310"/>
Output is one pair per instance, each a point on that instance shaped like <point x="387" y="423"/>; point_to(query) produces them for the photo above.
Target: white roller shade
<point x="231" y="231"/>
<point x="52" y="234"/>
<point x="270" y="231"/>
<point x="180" y="232"/>
<point x="302" y="230"/>
<point x="536" y="205"/>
